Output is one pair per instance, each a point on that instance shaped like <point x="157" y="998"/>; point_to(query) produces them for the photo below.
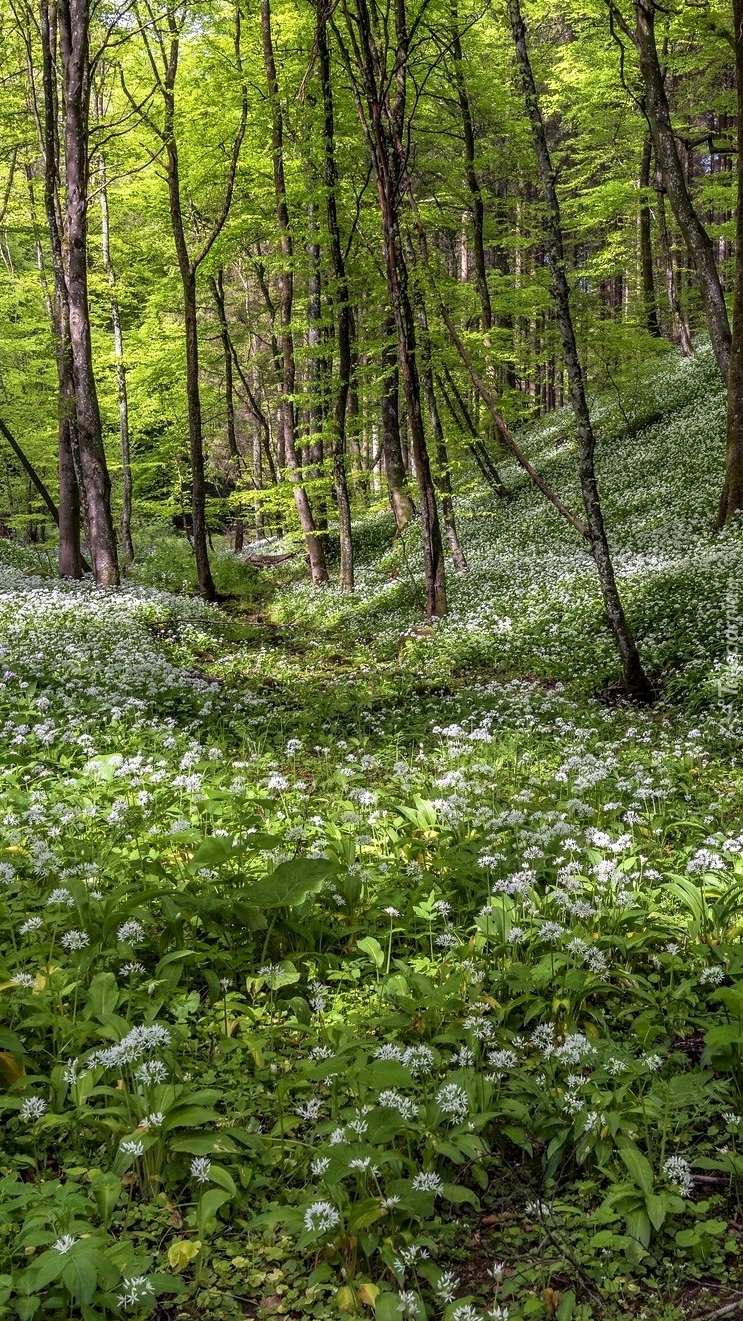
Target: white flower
<point x="452" y="1100"/>
<point x="137" y="1289"/>
<point x="64" y="1244"/>
<point x="62" y="897"/>
<point x="73" y="940"/>
<point x="309" y="1109"/>
<point x="154" y="1119"/>
<point x="676" y="1170"/>
<point x="320" y="1165"/>
<point x="428" y="1182"/>
<point x="321" y="1217"/>
<point x="32" y="1109"/>
<point x="447" y="1286"/>
<point x="132" y="1147"/>
<point x="32" y="924"/>
<point x="408" y="1303"/>
<point x="201" y="1169"/>
<point x="130" y="933"/>
<point x="713" y="976"/>
<point x="465" y="1312"/>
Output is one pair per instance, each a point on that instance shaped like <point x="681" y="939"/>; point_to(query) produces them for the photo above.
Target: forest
<point x="371" y="660"/>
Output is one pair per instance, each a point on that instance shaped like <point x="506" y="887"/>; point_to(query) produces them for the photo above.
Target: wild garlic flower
<point x="64" y="1244"/>
<point x="428" y="1182"/>
<point x="32" y="1109"/>
<point x="130" y="933"/>
<point x="320" y="1218"/>
<point x="132" y="1147"/>
<point x="75" y="940"/>
<point x="452" y="1100"/>
<point x="201" y="1168"/>
<point x="446" y="1287"/>
<point x="678" y="1173"/>
<point x="137" y="1289"/>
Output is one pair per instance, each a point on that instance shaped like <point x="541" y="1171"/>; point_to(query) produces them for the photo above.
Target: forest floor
<point x="350" y="967"/>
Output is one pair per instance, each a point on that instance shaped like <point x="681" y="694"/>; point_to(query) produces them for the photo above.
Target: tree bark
<point x="650" y="304"/>
<point x="394" y="464"/>
<point x="731" y="498"/>
<point x="318" y="567"/>
<point x="74" y="36"/>
<point x="70" y="559"/>
<point x="637" y="683"/>
<point x="216" y="283"/>
<point x="340" y="298"/>
<point x="127" y="545"/>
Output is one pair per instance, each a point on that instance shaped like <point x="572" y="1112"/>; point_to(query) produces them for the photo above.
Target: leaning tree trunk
<point x="731" y="499"/>
<point x="695" y="235"/>
<point x="74" y="19"/>
<point x="638" y="686"/>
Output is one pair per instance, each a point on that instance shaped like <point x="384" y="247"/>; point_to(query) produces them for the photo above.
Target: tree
<point x="635" y="678"/>
<point x="163" y="49"/>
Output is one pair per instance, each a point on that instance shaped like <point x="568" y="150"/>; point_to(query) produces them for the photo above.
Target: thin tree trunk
<point x="638" y="686"/>
<point x="127" y="545"/>
<point x="385" y="124"/>
<point x="315" y="550"/>
<point x="667" y="155"/>
<point x="443" y="476"/>
<point x="731" y="498"/>
<point x="74" y="20"/>
<point x="680" y="332"/>
<point x="650" y="305"/>
<point x="394" y="464"/>
<point x="216" y="284"/>
<point x="340" y="296"/>
<point x="30" y="471"/>
<point x="70" y="559"/>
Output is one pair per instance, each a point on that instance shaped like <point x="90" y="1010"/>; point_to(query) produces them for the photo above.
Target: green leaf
<point x="209" y="1203"/>
<point x="567" y="1306"/>
<point x="290" y="883"/>
<point x="656" y="1207"/>
<point x="79" y="1275"/>
<point x="103" y="996"/>
<point x="454" y="1192"/>
<point x="373" y="948"/>
<point x="106" y="1191"/>
<point x="638" y="1165"/>
<point x="223" y="1179"/>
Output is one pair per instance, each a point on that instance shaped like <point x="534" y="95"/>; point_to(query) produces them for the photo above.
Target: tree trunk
<point x="385" y="124"/>
<point x="443" y="476"/>
<point x="638" y="686"/>
<point x="731" y="499"/>
<point x="315" y="551"/>
<point x="650" y="305"/>
<point x="394" y="464"/>
<point x="340" y="296"/>
<point x="70" y="560"/>
<point x="216" y="283"/>
<point x="74" y="20"/>
<point x="127" y="545"/>
<point x="666" y="153"/>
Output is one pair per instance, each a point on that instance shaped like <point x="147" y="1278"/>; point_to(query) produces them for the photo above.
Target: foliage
<point x="353" y="969"/>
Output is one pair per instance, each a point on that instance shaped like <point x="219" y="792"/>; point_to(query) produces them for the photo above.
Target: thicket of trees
<point x="264" y="262"/>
